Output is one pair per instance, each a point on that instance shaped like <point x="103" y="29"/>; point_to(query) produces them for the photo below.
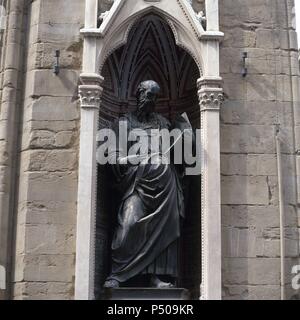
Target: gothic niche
<point x="150" y="53"/>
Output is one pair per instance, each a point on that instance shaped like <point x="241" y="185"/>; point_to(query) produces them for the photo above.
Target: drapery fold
<point x="148" y="228"/>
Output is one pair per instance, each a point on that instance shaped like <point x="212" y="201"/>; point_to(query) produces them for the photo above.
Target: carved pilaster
<point x="210" y="100"/>
<point x="90" y="92"/>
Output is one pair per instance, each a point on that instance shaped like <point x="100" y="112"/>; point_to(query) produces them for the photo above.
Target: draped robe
<point x="146" y="237"/>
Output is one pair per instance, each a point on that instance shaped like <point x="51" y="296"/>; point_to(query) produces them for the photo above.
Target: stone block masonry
<point x="46" y="209"/>
<point x="10" y="93"/>
<point x="255" y="106"/>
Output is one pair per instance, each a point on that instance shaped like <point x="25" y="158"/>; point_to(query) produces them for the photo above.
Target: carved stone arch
<point x="185" y="41"/>
<point x="163" y="61"/>
<point x="151" y="71"/>
<point x="136" y="43"/>
<point x="184" y="37"/>
<point x="157" y="28"/>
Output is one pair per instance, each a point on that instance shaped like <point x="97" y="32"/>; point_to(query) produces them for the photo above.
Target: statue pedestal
<point x="146" y="294"/>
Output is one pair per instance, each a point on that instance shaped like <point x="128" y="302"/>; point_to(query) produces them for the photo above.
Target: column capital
<point x="90" y="91"/>
<point x="210" y="93"/>
<point x="211" y="99"/>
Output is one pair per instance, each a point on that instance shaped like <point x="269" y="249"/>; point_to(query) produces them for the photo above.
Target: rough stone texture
<point x="43" y="290"/>
<point x="46" y="211"/>
<point x="254" y="107"/>
<point x="11" y="64"/>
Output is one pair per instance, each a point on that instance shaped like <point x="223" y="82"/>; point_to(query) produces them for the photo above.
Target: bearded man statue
<point x="145" y="240"/>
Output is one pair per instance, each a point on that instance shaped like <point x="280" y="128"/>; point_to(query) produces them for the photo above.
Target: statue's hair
<point x="143" y="85"/>
<point x="140" y="88"/>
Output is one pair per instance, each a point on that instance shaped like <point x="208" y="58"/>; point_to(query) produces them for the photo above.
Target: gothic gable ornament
<point x="160" y="5"/>
<point x="181" y="17"/>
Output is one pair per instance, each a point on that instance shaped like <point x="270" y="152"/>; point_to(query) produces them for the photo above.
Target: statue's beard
<point x="145" y="108"/>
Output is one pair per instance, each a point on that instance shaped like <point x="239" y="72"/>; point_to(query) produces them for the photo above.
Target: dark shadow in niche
<point x="150" y="53"/>
<point x="106" y="219"/>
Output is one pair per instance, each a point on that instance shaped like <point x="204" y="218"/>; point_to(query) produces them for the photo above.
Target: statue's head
<point x="146" y="95"/>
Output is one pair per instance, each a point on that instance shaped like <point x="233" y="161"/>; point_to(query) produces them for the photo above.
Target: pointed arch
<point x="118" y="36"/>
<point x="151" y="51"/>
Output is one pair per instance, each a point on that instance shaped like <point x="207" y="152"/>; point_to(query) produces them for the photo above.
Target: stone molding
<point x="211" y="97"/>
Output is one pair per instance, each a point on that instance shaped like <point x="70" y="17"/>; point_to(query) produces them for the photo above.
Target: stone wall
<point x="254" y="107"/>
<point x="46" y="208"/>
<point x="12" y="49"/>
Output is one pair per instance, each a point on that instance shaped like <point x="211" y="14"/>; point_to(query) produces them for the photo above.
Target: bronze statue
<point x="146" y="238"/>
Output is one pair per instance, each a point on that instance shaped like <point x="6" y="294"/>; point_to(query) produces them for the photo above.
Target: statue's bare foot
<point x="157" y="283"/>
<point x="111" y="284"/>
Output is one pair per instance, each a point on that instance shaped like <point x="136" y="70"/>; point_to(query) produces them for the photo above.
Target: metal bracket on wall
<point x="244" y="70"/>
<point x="56" y="66"/>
